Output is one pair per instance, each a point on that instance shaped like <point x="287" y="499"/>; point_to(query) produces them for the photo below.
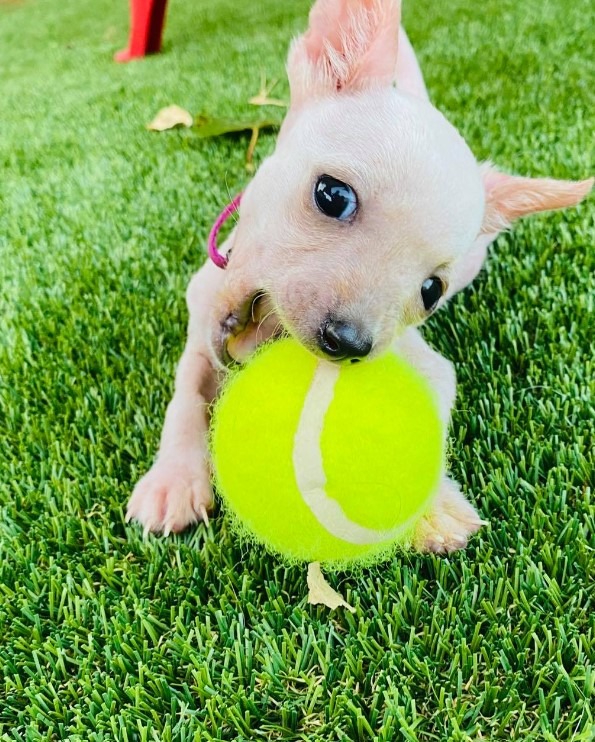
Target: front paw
<point x="449" y="524"/>
<point x="173" y="494"/>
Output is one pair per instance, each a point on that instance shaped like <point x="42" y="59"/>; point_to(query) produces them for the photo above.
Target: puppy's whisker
<point x="234" y="214"/>
<point x="257" y="297"/>
<point x="227" y="186"/>
<point x="278" y="326"/>
<point x="264" y="319"/>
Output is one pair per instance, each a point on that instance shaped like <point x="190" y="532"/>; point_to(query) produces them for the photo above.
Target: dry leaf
<point x="320" y="592"/>
<point x="169" y="117"/>
<point x="209" y="126"/>
<point x="263" y="100"/>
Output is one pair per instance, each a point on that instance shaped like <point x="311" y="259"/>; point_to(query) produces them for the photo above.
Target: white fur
<point x="426" y="208"/>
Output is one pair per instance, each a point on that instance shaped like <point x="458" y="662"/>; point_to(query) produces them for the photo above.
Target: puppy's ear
<point x="350" y="45"/>
<point x="509" y="197"/>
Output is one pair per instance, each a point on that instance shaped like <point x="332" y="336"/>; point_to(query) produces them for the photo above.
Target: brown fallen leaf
<point x="321" y="593"/>
<point x="263" y="100"/>
<point x="169" y="117"/>
<point x="210" y="126"/>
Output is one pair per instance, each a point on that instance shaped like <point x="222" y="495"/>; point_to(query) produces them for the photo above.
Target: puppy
<point x="371" y="212"/>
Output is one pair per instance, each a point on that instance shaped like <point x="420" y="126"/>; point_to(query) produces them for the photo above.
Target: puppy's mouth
<point x="255" y="321"/>
<point x="258" y="319"/>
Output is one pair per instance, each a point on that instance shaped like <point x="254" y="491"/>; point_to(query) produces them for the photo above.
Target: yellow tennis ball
<point x="326" y="462"/>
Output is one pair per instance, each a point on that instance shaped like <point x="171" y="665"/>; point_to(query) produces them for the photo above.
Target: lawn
<point x="107" y="636"/>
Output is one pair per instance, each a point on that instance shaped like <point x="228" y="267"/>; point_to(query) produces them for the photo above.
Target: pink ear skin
<point x="349" y="45"/>
<point x="509" y="197"/>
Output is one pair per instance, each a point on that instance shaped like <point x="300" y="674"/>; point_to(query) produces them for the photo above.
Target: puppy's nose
<point x="341" y="340"/>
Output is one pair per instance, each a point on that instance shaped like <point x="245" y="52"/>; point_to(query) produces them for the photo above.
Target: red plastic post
<point x="146" y="27"/>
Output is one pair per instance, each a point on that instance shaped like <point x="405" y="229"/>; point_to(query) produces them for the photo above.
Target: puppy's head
<point x="361" y="222"/>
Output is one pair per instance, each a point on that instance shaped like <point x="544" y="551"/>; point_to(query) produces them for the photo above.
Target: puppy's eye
<point x="335" y="198"/>
<point x="431" y="291"/>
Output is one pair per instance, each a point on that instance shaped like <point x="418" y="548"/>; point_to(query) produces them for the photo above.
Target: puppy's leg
<point x="177" y="491"/>
<point x="437" y="370"/>
<point x="452" y="519"/>
<point x="449" y="524"/>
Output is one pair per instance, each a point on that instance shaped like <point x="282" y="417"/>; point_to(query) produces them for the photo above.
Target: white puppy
<point x="371" y="212"/>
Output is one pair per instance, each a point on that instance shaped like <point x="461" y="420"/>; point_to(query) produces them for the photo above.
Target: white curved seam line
<point x="309" y="466"/>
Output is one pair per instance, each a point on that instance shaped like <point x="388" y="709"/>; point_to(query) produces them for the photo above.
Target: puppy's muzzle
<point x="343" y="340"/>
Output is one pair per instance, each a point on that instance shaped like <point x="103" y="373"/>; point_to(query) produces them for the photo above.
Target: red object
<point x="146" y="27"/>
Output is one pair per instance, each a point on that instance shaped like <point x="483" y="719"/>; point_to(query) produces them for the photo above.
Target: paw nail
<point x="204" y="515"/>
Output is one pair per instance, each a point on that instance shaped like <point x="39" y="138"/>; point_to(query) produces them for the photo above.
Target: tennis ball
<point x="326" y="462"/>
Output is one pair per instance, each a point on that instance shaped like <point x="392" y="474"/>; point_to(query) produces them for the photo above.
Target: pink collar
<point x="217" y="258"/>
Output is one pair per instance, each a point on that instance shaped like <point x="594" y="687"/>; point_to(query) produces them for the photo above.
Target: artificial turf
<point x="106" y="636"/>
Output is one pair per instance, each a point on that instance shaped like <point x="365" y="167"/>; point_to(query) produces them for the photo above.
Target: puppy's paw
<point x="173" y="494"/>
<point x="449" y="524"/>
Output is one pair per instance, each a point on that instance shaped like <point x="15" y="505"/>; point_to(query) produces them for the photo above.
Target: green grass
<point x="105" y="636"/>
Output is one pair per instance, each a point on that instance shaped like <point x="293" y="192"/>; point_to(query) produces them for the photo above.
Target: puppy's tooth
<point x="231" y="350"/>
<point x="226" y="358"/>
<point x="240" y="347"/>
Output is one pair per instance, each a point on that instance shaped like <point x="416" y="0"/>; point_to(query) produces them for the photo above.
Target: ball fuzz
<point x="326" y="462"/>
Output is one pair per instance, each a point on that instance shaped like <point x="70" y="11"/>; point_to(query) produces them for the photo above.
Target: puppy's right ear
<point x="350" y="45"/>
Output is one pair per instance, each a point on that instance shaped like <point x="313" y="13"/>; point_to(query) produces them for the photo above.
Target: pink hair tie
<point x="217" y="258"/>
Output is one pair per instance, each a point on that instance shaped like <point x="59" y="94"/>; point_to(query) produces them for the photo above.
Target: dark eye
<point x="335" y="198"/>
<point x="431" y="291"/>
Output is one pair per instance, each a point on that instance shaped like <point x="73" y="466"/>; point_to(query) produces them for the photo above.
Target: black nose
<point x="341" y="340"/>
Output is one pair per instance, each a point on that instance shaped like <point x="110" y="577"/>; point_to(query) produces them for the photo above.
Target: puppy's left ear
<point x="350" y="45"/>
<point x="509" y="197"/>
